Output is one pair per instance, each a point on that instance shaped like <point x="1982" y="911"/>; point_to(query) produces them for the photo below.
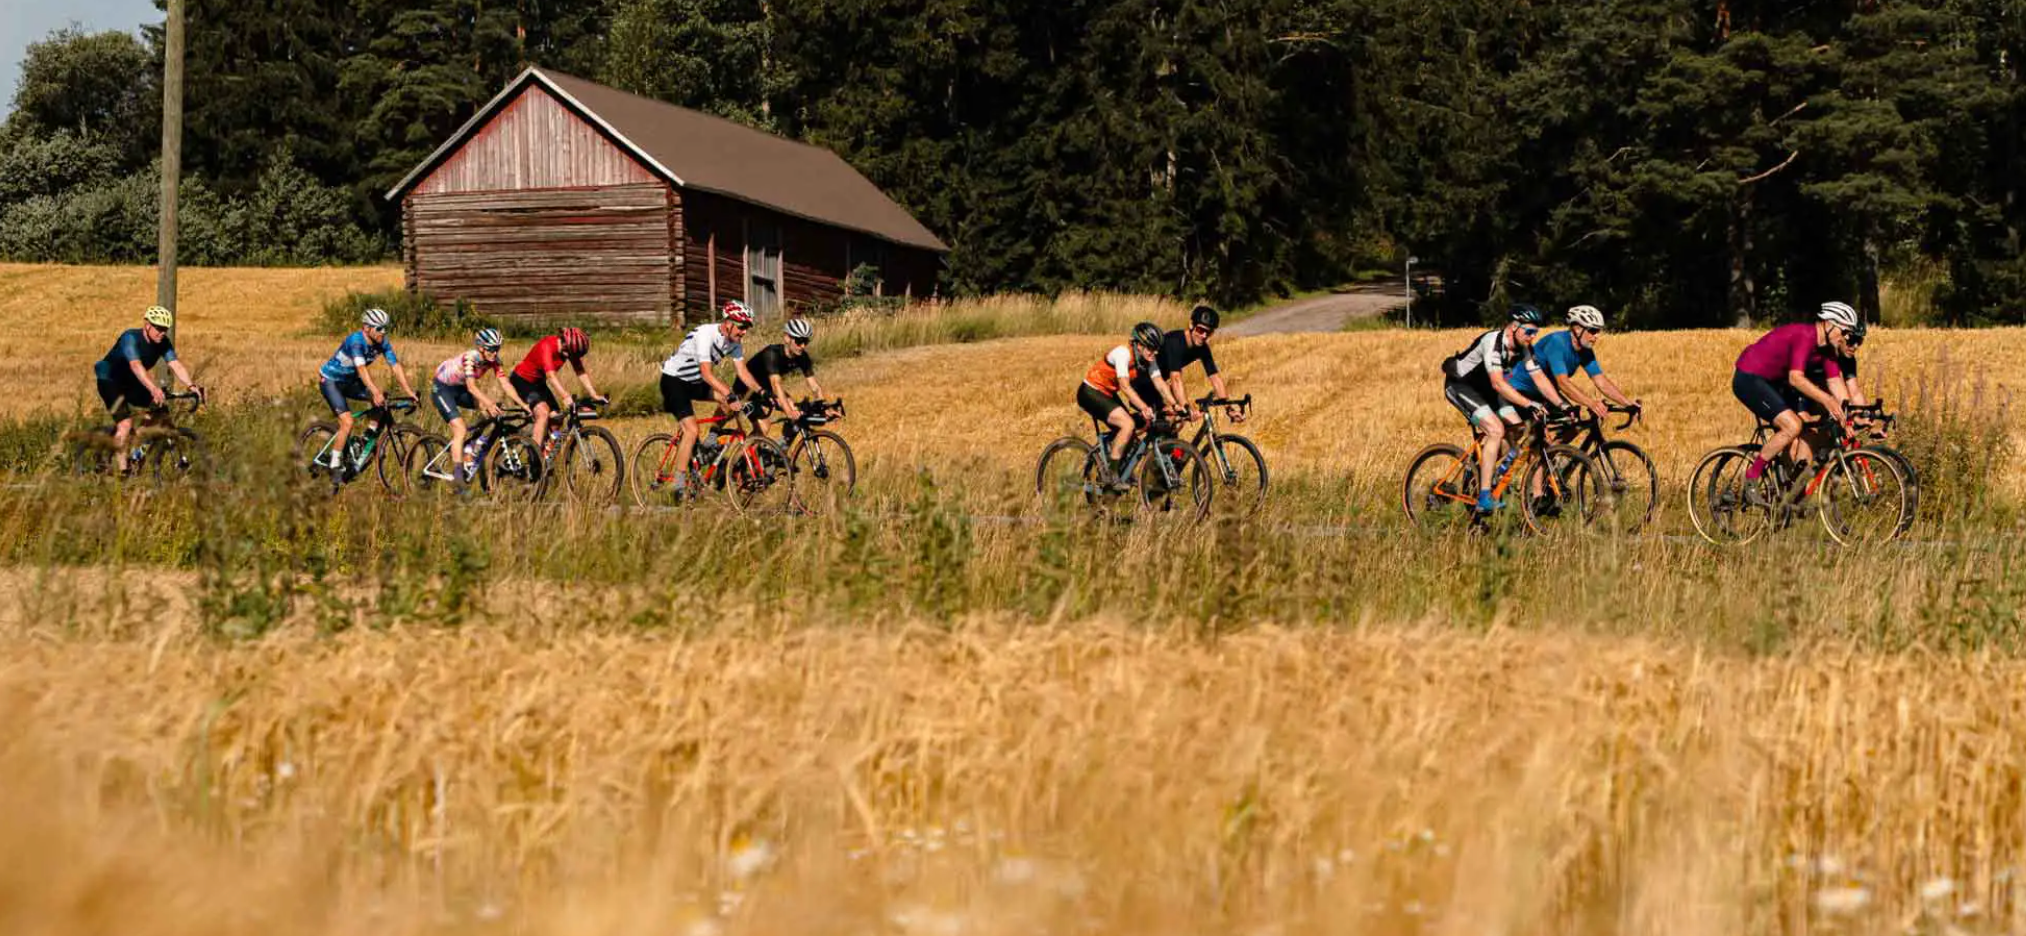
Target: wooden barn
<point x="564" y="198"/>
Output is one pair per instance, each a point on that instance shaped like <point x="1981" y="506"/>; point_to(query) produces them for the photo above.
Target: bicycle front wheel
<point x="1441" y="488"/>
<point x="654" y="472"/>
<point x="1633" y="483"/>
<point x="1563" y="488"/>
<point x="824" y="471"/>
<point x="175" y="455"/>
<point x="593" y="469"/>
<point x="1240" y="473"/>
<point x="1864" y="498"/>
<point x="1717" y="502"/>
<point x="757" y="478"/>
<point x="1175" y="481"/>
<point x="1912" y="478"/>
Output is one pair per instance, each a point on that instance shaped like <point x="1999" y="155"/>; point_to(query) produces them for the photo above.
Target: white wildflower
<point x="703" y="926"/>
<point x="1969" y="910"/>
<point x="1842" y="900"/>
<point x="285" y="770"/>
<point x="1938" y="889"/>
<point x="1347" y="856"/>
<point x="489" y="911"/>
<point x="1325" y="869"/>
<point x="749" y="858"/>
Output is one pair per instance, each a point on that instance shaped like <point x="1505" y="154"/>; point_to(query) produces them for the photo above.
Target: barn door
<point x="763" y="268"/>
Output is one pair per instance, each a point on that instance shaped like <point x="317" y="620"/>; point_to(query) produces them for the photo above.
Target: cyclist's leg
<point x="337" y="394"/>
<point x="679" y="400"/>
<point x="1478" y="411"/>
<point x="540" y="403"/>
<point x="1766" y="402"/>
<point x="118" y="396"/>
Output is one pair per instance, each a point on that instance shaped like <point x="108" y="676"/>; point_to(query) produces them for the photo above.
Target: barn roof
<point x="696" y="150"/>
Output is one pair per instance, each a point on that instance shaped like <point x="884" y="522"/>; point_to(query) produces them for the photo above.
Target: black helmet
<point x="1205" y="316"/>
<point x="1527" y="315"/>
<point x="1147" y="335"/>
<point x="1857" y="333"/>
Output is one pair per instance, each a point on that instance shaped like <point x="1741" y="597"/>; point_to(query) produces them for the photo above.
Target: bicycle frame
<point x="483" y="437"/>
<point x="1208" y="431"/>
<point x="1143" y="442"/>
<point x="1793" y="492"/>
<point x="730" y="432"/>
<point x="380" y="419"/>
<point x="1531" y="447"/>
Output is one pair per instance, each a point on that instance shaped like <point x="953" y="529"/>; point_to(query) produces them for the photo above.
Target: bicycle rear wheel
<point x="1717" y="503"/>
<point x="1068" y="481"/>
<point x="391" y="454"/>
<point x="1440" y="491"/>
<point x="1563" y="488"/>
<point x="1175" y="481"/>
<point x="513" y="469"/>
<point x="757" y="477"/>
<point x="1240" y="473"/>
<point x="174" y="455"/>
<point x="428" y="452"/>
<point x="1633" y="483"/>
<point x="825" y="473"/>
<point x="1864" y="498"/>
<point x="593" y="469"/>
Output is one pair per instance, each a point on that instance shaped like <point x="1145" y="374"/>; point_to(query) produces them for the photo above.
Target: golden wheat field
<point x="552" y="765"/>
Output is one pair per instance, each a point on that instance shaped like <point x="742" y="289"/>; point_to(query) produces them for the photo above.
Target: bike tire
<point x="1869" y="478"/>
<point x="514" y="470"/>
<point x="758" y="480"/>
<point x="1230" y="458"/>
<point x="422" y="451"/>
<point x="1912" y="477"/>
<point x="90" y="452"/>
<point x="824" y="472"/>
<point x="1191" y="474"/>
<point x="1634" y="485"/>
<point x="651" y="486"/>
<point x="1568" y="479"/>
<point x="175" y="456"/>
<point x="1066" y="479"/>
<point x="1716" y="504"/>
<point x="593" y="467"/>
<point x="1430" y="494"/>
<point x="309" y="443"/>
<point x="391" y="457"/>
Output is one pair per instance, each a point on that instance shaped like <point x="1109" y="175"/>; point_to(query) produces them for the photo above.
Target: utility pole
<point x="172" y="160"/>
<point x="1411" y="260"/>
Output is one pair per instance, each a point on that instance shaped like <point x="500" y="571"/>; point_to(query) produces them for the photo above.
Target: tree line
<point x="1677" y="162"/>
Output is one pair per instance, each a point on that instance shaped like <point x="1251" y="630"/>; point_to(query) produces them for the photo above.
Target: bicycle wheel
<point x="825" y="473"/>
<point x="1175" y="481"/>
<point x="91" y="452"/>
<point x="1068" y="479"/>
<point x="1562" y="488"/>
<point x="1633" y="483"/>
<point x="312" y="446"/>
<point x="426" y="453"/>
<point x="1864" y="498"/>
<point x="1717" y="503"/>
<point x="653" y="473"/>
<point x="593" y="468"/>
<point x="1441" y="488"/>
<point x="513" y="469"/>
<point x="174" y="455"/>
<point x="757" y="479"/>
<point x="1240" y="473"/>
<point x="1912" y="478"/>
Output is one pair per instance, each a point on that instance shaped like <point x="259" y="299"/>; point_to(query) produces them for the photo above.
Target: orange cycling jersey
<point x="1119" y="365"/>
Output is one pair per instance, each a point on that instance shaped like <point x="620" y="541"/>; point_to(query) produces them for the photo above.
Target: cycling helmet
<point x="575" y="342"/>
<point x="799" y="329"/>
<point x="1147" y="335"/>
<point x="159" y="317"/>
<point x="376" y="318"/>
<point x="1205" y="316"/>
<point x="488" y="339"/>
<point x="1587" y="317"/>
<point x="1527" y="315"/>
<point x="736" y="311"/>
<point x="1857" y="334"/>
<point x="1839" y="314"/>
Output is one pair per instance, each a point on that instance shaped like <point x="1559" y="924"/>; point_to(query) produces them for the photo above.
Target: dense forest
<point x="1679" y="162"/>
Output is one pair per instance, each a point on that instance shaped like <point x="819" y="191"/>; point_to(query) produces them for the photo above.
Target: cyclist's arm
<point x="1167" y="394"/>
<point x="507" y="386"/>
<point x="141" y="374"/>
<point x="719" y="388"/>
<point x="372" y="387"/>
<point x="554" y="379"/>
<point x="590" y="389"/>
<point x="815" y="389"/>
<point x="1800" y="381"/>
<point x="745" y="373"/>
<point x="1854" y="393"/>
<point x="182" y="373"/>
<point x="400" y="374"/>
<point x="1132" y="397"/>
<point x="1516" y="398"/>
<point x="1567" y="385"/>
<point x="1611" y="389"/>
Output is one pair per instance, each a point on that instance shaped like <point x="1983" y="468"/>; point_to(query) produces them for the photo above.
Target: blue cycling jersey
<point x="133" y="346"/>
<point x="1557" y="354"/>
<point x="355" y="353"/>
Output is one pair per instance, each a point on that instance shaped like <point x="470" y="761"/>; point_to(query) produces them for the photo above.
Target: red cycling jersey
<point x="545" y="358"/>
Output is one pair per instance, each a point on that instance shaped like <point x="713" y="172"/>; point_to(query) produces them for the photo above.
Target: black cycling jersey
<point x="1490" y="348"/>
<point x="773" y="360"/>
<point x="1848" y="365"/>
<point x="1175" y="354"/>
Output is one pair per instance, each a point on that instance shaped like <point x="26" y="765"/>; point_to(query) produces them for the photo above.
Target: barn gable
<point x="534" y="142"/>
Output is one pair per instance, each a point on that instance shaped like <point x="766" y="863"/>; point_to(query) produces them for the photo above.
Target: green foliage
<point x="102" y="85"/>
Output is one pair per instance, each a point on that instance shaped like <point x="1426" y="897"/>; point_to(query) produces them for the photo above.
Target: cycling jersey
<point x="772" y="361"/>
<point x="133" y="345"/>
<point x="703" y="347"/>
<point x="1489" y="353"/>
<point x="1848" y="365"/>
<point x="1119" y="367"/>
<point x="462" y="369"/>
<point x="1556" y="356"/>
<point x="1176" y="353"/>
<point x="545" y="358"/>
<point x="356" y="352"/>
<point x="1788" y="348"/>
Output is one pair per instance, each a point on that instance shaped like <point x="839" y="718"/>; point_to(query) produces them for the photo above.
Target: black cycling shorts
<point x="533" y="392"/>
<point x="1477" y="403"/>
<point x="1096" y="402"/>
<point x="449" y="399"/>
<point x="679" y="397"/>
<point x="1764" y="398"/>
<point x="121" y="395"/>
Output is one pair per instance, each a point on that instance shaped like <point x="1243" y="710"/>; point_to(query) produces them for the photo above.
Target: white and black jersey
<point x="1490" y="352"/>
<point x="704" y="347"/>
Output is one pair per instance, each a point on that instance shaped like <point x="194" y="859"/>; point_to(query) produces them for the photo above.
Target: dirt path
<point x="1321" y="313"/>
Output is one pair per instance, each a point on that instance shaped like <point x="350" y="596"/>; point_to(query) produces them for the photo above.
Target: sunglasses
<point x="1200" y="330"/>
<point x="1529" y="330"/>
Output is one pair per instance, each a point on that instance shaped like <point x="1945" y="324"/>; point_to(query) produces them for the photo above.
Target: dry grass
<point x="974" y="778"/>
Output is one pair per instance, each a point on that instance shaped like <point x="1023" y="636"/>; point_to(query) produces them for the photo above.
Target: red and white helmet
<point x="575" y="342"/>
<point x="736" y="311"/>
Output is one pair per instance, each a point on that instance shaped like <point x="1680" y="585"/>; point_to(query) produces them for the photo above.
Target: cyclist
<point x="686" y="377"/>
<point x="1107" y="390"/>
<point x="1181" y="348"/>
<point x="457" y="389"/>
<point x="122" y="375"/>
<point x="1844" y="388"/>
<point x="536" y="383"/>
<point x="1772" y="378"/>
<point x="346" y="376"/>
<point x="1557" y="357"/>
<point x="772" y="364"/>
<point x="1475" y="382"/>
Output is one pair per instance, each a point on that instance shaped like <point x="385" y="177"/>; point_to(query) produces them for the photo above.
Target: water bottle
<point x="1511" y="452"/>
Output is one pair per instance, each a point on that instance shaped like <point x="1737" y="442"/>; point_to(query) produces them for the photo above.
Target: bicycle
<point x="1175" y="481"/>
<point x="591" y="464"/>
<point x="1879" y="423"/>
<point x="1442" y="479"/>
<point x="363" y="446"/>
<point x="155" y="444"/>
<point x="1852" y="479"/>
<point x="1627" y="470"/>
<point x="1230" y="457"/>
<point x="497" y="454"/>
<point x="750" y="469"/>
<point x="824" y="470"/>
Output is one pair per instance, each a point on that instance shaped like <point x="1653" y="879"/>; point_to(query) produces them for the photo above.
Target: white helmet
<point x="799" y="329"/>
<point x="1588" y="317"/>
<point x="375" y="318"/>
<point x="1839" y="314"/>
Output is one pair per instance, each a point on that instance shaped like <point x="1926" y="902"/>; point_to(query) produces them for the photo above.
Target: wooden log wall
<point x="534" y="143"/>
<point x="601" y="253"/>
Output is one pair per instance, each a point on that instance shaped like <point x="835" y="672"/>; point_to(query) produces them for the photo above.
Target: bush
<point x="414" y="314"/>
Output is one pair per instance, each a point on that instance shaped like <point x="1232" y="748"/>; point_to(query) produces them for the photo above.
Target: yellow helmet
<point x="159" y="317"/>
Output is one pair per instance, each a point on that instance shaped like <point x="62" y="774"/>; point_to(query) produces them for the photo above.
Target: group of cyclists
<point x="1792" y="377"/>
